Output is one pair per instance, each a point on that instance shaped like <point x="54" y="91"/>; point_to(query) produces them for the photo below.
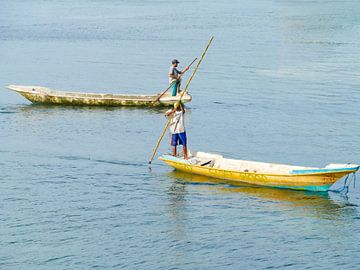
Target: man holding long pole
<point x="177" y="128"/>
<point x="175" y="76"/>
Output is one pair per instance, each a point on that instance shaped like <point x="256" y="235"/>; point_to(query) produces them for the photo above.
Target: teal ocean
<point x="280" y="83"/>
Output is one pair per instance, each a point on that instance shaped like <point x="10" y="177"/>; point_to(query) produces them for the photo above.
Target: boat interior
<point x="219" y="162"/>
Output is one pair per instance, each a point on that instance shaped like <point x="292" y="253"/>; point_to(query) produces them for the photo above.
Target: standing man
<point x="175" y="76"/>
<point x="177" y="128"/>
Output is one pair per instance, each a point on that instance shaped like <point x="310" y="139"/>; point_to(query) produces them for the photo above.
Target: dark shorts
<point x="178" y="138"/>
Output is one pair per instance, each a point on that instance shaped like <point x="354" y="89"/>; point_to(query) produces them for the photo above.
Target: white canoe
<point x="44" y="95"/>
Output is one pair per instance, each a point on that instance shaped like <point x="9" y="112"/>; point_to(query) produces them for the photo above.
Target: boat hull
<point x="43" y="95"/>
<point x="310" y="182"/>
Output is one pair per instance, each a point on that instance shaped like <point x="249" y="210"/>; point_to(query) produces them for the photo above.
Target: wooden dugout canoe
<point x="260" y="173"/>
<point x="44" y="95"/>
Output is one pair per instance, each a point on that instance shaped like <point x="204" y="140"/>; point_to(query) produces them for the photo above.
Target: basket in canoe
<point x="259" y="173"/>
<point x="44" y="95"/>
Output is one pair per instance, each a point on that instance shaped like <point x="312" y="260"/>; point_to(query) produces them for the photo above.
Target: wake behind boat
<point x="260" y="173"/>
<point x="44" y="95"/>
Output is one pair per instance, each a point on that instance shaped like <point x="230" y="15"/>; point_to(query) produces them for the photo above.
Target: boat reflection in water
<point x="321" y="205"/>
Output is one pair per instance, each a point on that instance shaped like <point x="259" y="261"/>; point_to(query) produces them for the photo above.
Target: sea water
<point x="280" y="83"/>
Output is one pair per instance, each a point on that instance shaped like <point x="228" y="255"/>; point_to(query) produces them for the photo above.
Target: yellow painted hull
<point x="312" y="181"/>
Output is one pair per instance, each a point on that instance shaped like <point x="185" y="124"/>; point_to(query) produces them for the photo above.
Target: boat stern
<point x="35" y="94"/>
<point x="22" y="88"/>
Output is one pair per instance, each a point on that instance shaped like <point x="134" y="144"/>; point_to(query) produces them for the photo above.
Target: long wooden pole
<point x="177" y="104"/>
<point x="163" y="92"/>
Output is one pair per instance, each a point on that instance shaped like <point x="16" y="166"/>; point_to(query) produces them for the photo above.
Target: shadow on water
<point x="322" y="205"/>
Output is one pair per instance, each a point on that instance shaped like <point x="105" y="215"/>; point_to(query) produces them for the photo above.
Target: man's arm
<point x="184" y="70"/>
<point x="169" y="112"/>
<point x="183" y="110"/>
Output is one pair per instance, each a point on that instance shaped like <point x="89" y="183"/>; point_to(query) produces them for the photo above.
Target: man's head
<point x="175" y="62"/>
<point x="179" y="106"/>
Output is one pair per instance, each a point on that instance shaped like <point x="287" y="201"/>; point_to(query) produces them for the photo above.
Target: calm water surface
<point x="279" y="84"/>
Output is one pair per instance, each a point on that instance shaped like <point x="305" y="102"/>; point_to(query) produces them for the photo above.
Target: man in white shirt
<point x="177" y="128"/>
<point x="175" y="76"/>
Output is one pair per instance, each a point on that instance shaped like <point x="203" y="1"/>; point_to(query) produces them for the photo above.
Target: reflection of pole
<point x="177" y="207"/>
<point x="177" y="104"/>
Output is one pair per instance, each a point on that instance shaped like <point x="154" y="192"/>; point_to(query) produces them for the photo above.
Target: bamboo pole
<point x="177" y="104"/>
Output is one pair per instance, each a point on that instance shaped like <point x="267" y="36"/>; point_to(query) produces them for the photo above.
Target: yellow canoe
<point x="260" y="173"/>
<point x="44" y="95"/>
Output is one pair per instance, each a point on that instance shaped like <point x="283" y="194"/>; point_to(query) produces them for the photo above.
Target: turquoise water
<point x="279" y="84"/>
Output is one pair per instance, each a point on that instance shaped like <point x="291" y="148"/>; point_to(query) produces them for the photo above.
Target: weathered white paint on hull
<point x="44" y="95"/>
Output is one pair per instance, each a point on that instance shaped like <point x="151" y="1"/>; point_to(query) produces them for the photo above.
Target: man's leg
<point x="183" y="141"/>
<point x="185" y="152"/>
<point x="174" y="89"/>
<point x="174" y="143"/>
<point x="178" y="87"/>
